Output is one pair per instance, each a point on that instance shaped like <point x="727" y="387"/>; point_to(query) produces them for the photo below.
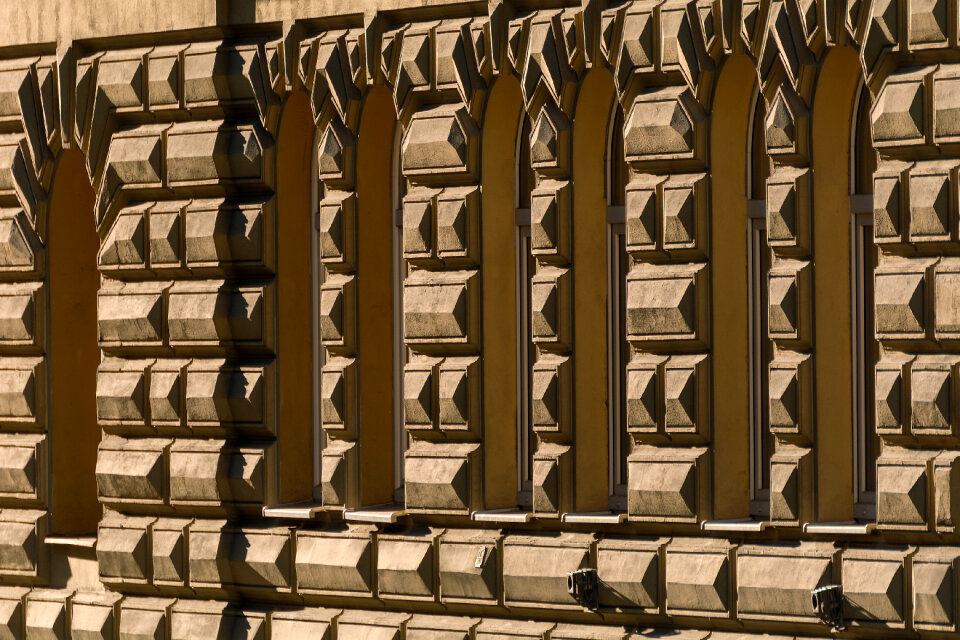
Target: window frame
<point x="526" y="352"/>
<point x="401" y="440"/>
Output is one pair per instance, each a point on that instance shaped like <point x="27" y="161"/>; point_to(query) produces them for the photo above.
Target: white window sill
<point x="306" y="510"/>
<point x="83" y="542"/>
<point x="599" y="517"/>
<point x="840" y="528"/>
<point x="742" y="525"/>
<point x="377" y="514"/>
<point x="502" y="515"/>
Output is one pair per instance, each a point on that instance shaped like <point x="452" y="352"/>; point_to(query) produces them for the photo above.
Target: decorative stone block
<point x="458" y="226"/>
<point x="873" y="585"/>
<point x="934" y="587"/>
<point x="493" y="629"/>
<point x="123" y="547"/>
<point x="459" y="395"/>
<point x="227" y="394"/>
<point x="11" y="610"/>
<point x="125" y="246"/>
<point x="120" y="78"/>
<point x="203" y="620"/>
<point x="946" y="81"/>
<point x="338" y="473"/>
<point x="891" y="393"/>
<point x="214" y="313"/>
<point x="22" y="462"/>
<point x="94" y="616"/>
<point x="684" y="204"/>
<point x="214" y="473"/>
<point x="338" y="395"/>
<point x="214" y="74"/>
<point x="22" y="314"/>
<point x="550" y="140"/>
<point x="131" y="470"/>
<point x="791" y="395"/>
<point x="946" y="490"/>
<point x="218" y="232"/>
<point x="897" y="119"/>
<point x="667" y="484"/>
<point x="336" y="153"/>
<point x="791" y="485"/>
<point x="134" y="162"/>
<point x="931" y="202"/>
<point x="629" y="573"/>
<point x="430" y="627"/>
<point x="294" y="624"/>
<point x="698" y="576"/>
<point x="535" y="568"/>
<point x="163" y="73"/>
<point x="664" y="124"/>
<point x="643" y="396"/>
<point x="552" y="394"/>
<point x="442" y="478"/>
<point x="686" y="389"/>
<point x="371" y="625"/>
<point x="262" y="558"/>
<point x="550" y="220"/>
<point x="166" y="229"/>
<point x="787" y="125"/>
<point x="131" y="314"/>
<point x="419" y="213"/>
<point x="552" y="479"/>
<point x="120" y="392"/>
<point x="902" y="489"/>
<point x="551" y="311"/>
<point x="789" y="209"/>
<point x="642" y="208"/>
<point x="789" y="313"/>
<point x="441" y="308"/>
<point x="18" y="242"/>
<point x="337" y="226"/>
<point x="946" y="309"/>
<point x="21" y="532"/>
<point x="406" y="565"/>
<point x="888" y="205"/>
<point x="169" y="552"/>
<point x="167" y="393"/>
<point x="336" y="561"/>
<point x="931" y="396"/>
<point x="47" y="614"/>
<point x="209" y="556"/>
<point x="900" y="299"/>
<point x="214" y="152"/>
<point x="763" y="593"/>
<point x="441" y="141"/>
<point x="22" y="391"/>
<point x="469" y="566"/>
<point x="667" y="303"/>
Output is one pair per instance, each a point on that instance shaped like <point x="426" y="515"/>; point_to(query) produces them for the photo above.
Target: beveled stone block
<point x="642" y="210"/>
<point x="763" y="593"/>
<point x="789" y="313"/>
<point x="686" y="395"/>
<point x="169" y="551"/>
<point x="21" y="532"/>
<point x="791" y="395"/>
<point x="791" y="485"/>
<point x="552" y="479"/>
<point x="629" y="573"/>
<point x="946" y="310"/>
<point x="932" y="18"/>
<point x="900" y="299"/>
<point x="405" y="565"/>
<point x="222" y="394"/>
<point x="166" y="229"/>
<point x="166" y="393"/>
<point x="934" y="585"/>
<point x="931" y="405"/>
<point x="131" y="314"/>
<point x="890" y="397"/>
<point x="338" y="395"/>
<point x="458" y="225"/>
<point x="21" y="459"/>
<point x="873" y="585"/>
<point x="550" y="220"/>
<point x="209" y="554"/>
<point x="294" y="624"/>
<point x="217" y="232"/>
<point x="469" y="565"/>
<point x="370" y="625"/>
<point x="459" y="394"/>
<point x="213" y="473"/>
<point x="931" y="201"/>
<point x="211" y="152"/>
<point x="551" y="392"/>
<point x="698" y="577"/>
<point x="643" y="398"/>
<point x="789" y="208"/>
<point x="94" y="616"/>
<point x="535" y="568"/>
<point x="337" y="226"/>
<point x="144" y="618"/>
<point x="442" y="477"/>
<point x="419" y="211"/>
<point x="898" y="113"/>
<point x="441" y="308"/>
<point x="666" y="302"/>
<point x="125" y="245"/>
<point x="46" y="614"/>
<point x="262" y="557"/>
<point x="440" y="141"/>
<point x="551" y="311"/>
<point x="21" y="390"/>
<point x="18" y="242"/>
<point x="666" y="484"/>
<point x="902" y="489"/>
<point x="888" y="206"/>
<point x="663" y="124"/>
<point x="120" y="391"/>
<point x="212" y="312"/>
<point x="335" y="561"/>
<point x="131" y="470"/>
<point x="123" y="550"/>
<point x="684" y="207"/>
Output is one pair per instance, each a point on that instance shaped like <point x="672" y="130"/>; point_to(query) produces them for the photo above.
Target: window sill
<point x="502" y="515"/>
<point x="741" y="525"/>
<point x="599" y="517"/>
<point x="82" y="542"/>
<point x="306" y="510"/>
<point x="840" y="528"/>
<point x="378" y="514"/>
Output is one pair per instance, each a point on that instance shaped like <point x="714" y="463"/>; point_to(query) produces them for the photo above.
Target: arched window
<point x="401" y="440"/>
<point x="526" y="439"/>
<point x="761" y="348"/>
<point x="618" y="174"/>
<point x="865" y="350"/>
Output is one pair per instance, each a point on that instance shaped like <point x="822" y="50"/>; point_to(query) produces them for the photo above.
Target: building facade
<point x="479" y="320"/>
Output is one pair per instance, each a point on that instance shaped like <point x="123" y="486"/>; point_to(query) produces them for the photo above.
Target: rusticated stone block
<point x="335" y="561"/>
<point x="218" y="233"/>
<point x="18" y="242"/>
<point x="134" y="161"/>
<point x="900" y="298"/>
<point x="120" y="392"/>
<point x="898" y="114"/>
<point x="337" y="226"/>
<point x="338" y="309"/>
<point x="873" y="585"/>
<point x="22" y="391"/>
<point x="227" y="394"/>
<point x="20" y="534"/>
<point x="429" y="627"/>
<point x="211" y="312"/>
<point x="698" y="577"/>
<point x="131" y="314"/>
<point x="550" y="220"/>
<point x="629" y="573"/>
<point x="888" y="205"/>
<point x="667" y="484"/>
<point x="338" y="396"/>
<point x="169" y="551"/>
<point x="208" y="620"/>
<point x="214" y="73"/>
<point x="458" y="395"/>
<point x="166" y="393"/>
<point x="131" y="470"/>
<point x="493" y="629"/>
<point x="212" y="152"/>
<point x="123" y="550"/>
<point x="946" y="310"/>
<point x="17" y="178"/>
<point x="551" y="306"/>
<point x="419" y="393"/>
<point x="930" y="201"/>
<point x="163" y="73"/>
<point x="789" y="313"/>
<point x="47" y="614"/>
<point x="22" y="312"/>
<point x="364" y="625"/>
<point x="336" y="153"/>
<point x="94" y="616"/>
<point x="262" y="558"/>
<point x="791" y="485"/>
<point x="667" y="303"/>
<point x="566" y="631"/>
<point x="338" y="473"/>
<point x="891" y="390"/>
<point x="120" y="77"/>
<point x="458" y="225"/>
<point x="212" y="472"/>
<point x="786" y="126"/>
<point x="929" y="25"/>
<point x="550" y="140"/>
<point x="791" y="395"/>
<point x="552" y="394"/>
<point x="209" y="555"/>
<point x="934" y="584"/>
<point x="946" y="490"/>
<point x="166" y="229"/>
<point x="469" y="566"/>
<point x="406" y="565"/>
<point x="144" y="618"/>
<point x="125" y="246"/>
<point x="294" y="624"/>
<point x="664" y="124"/>
<point x="933" y="20"/>
<point x="684" y="206"/>
<point x="11" y="611"/>
<point x="686" y="395"/>
<point x="903" y="489"/>
<point x="552" y="479"/>
<point x="762" y="591"/>
<point x="440" y="141"/>
<point x="931" y="405"/>
<point x="419" y="213"/>
<point x="642" y="208"/>
<point x="535" y="568"/>
<point x="441" y="308"/>
<point x="442" y="477"/>
<point x="789" y="208"/>
<point x="643" y="397"/>
<point x="21" y="457"/>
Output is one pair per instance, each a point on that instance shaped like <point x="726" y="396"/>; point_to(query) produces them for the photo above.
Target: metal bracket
<point x="828" y="605"/>
<point x="583" y="585"/>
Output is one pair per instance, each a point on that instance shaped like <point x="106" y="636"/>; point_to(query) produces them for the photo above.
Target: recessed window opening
<point x="617" y="175"/>
<point x="525" y="180"/>
<point x="319" y="353"/>
<point x="762" y="441"/>
<point x="401" y="439"/>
